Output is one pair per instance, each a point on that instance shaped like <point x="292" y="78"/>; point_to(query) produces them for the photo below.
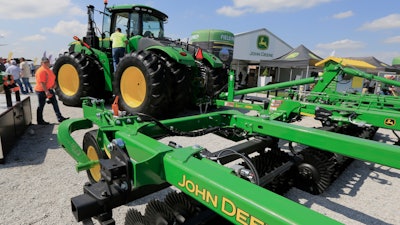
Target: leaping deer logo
<point x="262" y="42"/>
<point x="390" y="122"/>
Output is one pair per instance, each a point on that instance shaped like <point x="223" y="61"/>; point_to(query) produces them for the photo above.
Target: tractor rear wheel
<point x="78" y="75"/>
<point x="208" y="83"/>
<point x="180" y="79"/>
<point x="93" y="152"/>
<point x="140" y="84"/>
<point x="214" y="79"/>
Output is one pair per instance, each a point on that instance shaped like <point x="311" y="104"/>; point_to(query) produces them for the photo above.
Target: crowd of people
<point x="21" y="70"/>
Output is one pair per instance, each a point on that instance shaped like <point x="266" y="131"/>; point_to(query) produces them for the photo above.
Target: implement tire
<point x="93" y="152"/>
<point x="141" y="85"/>
<point x="78" y="75"/>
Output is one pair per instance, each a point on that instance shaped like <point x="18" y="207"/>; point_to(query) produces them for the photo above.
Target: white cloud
<point x="343" y="15"/>
<point x="231" y="11"/>
<point x="67" y="28"/>
<point x="76" y="11"/>
<point x="36" y="37"/>
<point x="395" y="39"/>
<point x="29" y="9"/>
<point x="4" y="34"/>
<point x="387" y="22"/>
<point x="341" y="44"/>
<point x="241" y="7"/>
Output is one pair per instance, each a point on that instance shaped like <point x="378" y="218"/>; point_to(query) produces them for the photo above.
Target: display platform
<point x="14" y="120"/>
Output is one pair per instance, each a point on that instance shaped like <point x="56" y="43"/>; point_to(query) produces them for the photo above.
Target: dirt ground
<point x="38" y="180"/>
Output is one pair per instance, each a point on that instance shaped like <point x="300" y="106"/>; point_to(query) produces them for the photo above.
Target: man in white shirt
<point x="14" y="70"/>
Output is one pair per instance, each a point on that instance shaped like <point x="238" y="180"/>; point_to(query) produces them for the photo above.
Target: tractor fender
<point x="178" y="54"/>
<point x="213" y="60"/>
<point x="103" y="59"/>
<point x="138" y="43"/>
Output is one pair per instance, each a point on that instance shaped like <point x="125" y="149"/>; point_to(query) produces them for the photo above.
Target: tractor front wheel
<point x="78" y="75"/>
<point x="140" y="84"/>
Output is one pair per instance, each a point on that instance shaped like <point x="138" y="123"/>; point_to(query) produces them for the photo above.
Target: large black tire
<point x="78" y="75"/>
<point x="180" y="78"/>
<point x="93" y="152"/>
<point x="140" y="84"/>
<point x="213" y="79"/>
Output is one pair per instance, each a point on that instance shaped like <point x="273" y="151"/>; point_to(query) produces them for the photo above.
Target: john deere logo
<point x="390" y="122"/>
<point x="262" y="42"/>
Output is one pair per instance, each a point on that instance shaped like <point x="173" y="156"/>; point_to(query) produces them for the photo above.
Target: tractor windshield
<point x="152" y="26"/>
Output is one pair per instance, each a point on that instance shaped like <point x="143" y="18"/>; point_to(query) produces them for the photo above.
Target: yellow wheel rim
<point x="68" y="79"/>
<point x="133" y="87"/>
<point x="92" y="155"/>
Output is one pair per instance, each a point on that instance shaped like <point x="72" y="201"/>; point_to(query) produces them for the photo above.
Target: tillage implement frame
<point x="333" y="108"/>
<point x="132" y="162"/>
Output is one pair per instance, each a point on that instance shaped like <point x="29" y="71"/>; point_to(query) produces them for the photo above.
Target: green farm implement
<point x="126" y="160"/>
<point x="359" y="115"/>
<point x="339" y="110"/>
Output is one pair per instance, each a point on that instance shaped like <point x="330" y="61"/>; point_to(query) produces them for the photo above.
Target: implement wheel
<point x="139" y="83"/>
<point x="78" y="75"/>
<point x="93" y="152"/>
<point x="314" y="172"/>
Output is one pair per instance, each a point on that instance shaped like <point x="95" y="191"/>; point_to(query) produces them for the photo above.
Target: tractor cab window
<point x="133" y="25"/>
<point x="152" y="26"/>
<point x="106" y="25"/>
<point x="105" y="36"/>
<point x="121" y="21"/>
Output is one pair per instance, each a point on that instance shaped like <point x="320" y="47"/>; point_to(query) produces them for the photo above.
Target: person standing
<point x="45" y="82"/>
<point x="25" y="74"/>
<point x="2" y="66"/>
<point x="119" y="42"/>
<point x="365" y="89"/>
<point x="32" y="69"/>
<point x="14" y="70"/>
<point x="7" y="63"/>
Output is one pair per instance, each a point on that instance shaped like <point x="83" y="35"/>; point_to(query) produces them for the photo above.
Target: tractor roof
<point x="139" y="8"/>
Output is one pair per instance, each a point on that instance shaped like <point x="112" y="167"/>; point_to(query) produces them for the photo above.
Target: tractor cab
<point x="134" y="20"/>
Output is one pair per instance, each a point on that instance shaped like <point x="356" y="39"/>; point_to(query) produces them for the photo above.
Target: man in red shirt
<point x="45" y="82"/>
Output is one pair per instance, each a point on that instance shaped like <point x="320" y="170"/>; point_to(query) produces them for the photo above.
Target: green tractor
<point x="157" y="76"/>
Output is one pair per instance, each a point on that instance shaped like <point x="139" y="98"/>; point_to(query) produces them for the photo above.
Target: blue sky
<point x="340" y="27"/>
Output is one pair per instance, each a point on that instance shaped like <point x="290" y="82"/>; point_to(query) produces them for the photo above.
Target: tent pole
<point x="279" y="75"/>
<point x="307" y="71"/>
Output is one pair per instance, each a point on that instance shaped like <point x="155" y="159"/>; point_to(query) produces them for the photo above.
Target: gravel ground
<point x="38" y="179"/>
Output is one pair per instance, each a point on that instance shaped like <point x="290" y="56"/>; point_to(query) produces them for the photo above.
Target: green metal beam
<point x="231" y="93"/>
<point x="237" y="200"/>
<point x="73" y="149"/>
<point x="353" y="147"/>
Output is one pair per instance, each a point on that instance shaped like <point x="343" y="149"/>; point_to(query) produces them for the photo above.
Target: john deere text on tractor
<point x="157" y="76"/>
